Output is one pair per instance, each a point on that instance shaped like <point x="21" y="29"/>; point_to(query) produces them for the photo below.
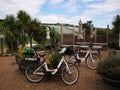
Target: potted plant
<point x="109" y="70"/>
<point x="53" y="59"/>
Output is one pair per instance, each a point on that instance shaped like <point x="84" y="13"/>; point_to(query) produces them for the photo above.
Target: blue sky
<point x="101" y="12"/>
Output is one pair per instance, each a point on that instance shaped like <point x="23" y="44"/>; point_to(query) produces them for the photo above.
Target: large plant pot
<point x="111" y="82"/>
<point x="114" y="52"/>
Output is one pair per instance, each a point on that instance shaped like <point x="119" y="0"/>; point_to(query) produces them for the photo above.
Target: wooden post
<point x="84" y="35"/>
<point x="73" y="36"/>
<point x="91" y="34"/>
<point x="91" y="31"/>
<point x="95" y="32"/>
<point x="107" y="35"/>
<point x="61" y="29"/>
<point x="119" y="38"/>
<point x="1" y="46"/>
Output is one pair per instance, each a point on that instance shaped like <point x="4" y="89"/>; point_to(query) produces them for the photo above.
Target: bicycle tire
<point x="23" y="64"/>
<point x="34" y="78"/>
<point x="91" y="62"/>
<point x="67" y="78"/>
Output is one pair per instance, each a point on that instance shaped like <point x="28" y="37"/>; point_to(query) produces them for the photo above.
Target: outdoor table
<point x="85" y="47"/>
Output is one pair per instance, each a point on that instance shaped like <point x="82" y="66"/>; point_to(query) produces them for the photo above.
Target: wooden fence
<point x="70" y="39"/>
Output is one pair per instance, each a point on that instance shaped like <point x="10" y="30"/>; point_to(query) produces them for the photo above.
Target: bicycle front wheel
<point x="92" y="62"/>
<point x="34" y="77"/>
<point x="70" y="77"/>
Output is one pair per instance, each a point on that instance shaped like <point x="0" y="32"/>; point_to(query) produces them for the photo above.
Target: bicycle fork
<point x="67" y="68"/>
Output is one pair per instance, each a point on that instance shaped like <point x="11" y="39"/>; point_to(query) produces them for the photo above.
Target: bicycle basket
<point x="69" y="51"/>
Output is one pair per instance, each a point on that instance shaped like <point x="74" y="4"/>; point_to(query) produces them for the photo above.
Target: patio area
<point x="12" y="79"/>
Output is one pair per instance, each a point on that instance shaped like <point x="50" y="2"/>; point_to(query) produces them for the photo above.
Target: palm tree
<point x="33" y="26"/>
<point x="27" y="25"/>
<point x="54" y="36"/>
<point x="11" y="32"/>
<point x="24" y="20"/>
<point x="40" y="34"/>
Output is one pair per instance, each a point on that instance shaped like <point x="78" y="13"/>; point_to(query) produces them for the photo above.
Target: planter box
<point x="114" y="52"/>
<point x="111" y="82"/>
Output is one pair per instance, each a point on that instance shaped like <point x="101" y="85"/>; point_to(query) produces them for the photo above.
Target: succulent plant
<point x="110" y="67"/>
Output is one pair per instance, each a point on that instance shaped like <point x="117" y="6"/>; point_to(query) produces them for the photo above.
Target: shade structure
<point x="80" y="30"/>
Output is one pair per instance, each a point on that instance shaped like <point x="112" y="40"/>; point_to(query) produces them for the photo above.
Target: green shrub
<point x="23" y="52"/>
<point x="53" y="59"/>
<point x="110" y="67"/>
<point x="114" y="45"/>
<point x="39" y="47"/>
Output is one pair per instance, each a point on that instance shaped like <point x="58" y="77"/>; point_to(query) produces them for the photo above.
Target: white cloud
<point x="74" y="10"/>
<point x="103" y="12"/>
<point x="88" y="0"/>
<point x="70" y="5"/>
<point x="13" y="6"/>
<point x="55" y="1"/>
<point x="53" y="18"/>
<point x="107" y="6"/>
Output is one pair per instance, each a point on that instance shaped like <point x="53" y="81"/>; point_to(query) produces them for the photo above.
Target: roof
<point x="66" y="29"/>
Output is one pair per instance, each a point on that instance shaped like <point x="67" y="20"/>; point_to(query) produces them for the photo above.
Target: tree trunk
<point x="30" y="42"/>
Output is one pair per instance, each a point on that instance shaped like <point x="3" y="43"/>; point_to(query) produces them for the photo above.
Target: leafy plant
<point x="110" y="67"/>
<point x="116" y="24"/>
<point x="53" y="59"/>
<point x="22" y="53"/>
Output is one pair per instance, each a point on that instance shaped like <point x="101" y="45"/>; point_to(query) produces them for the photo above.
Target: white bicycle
<point x="68" y="71"/>
<point x="91" y="60"/>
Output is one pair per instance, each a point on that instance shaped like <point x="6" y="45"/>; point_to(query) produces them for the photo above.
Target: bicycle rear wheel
<point x="92" y="62"/>
<point x="34" y="77"/>
<point x="71" y="77"/>
<point x="23" y="64"/>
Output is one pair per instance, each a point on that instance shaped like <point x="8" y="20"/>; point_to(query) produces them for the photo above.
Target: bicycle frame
<point x="52" y="71"/>
<point x="86" y="55"/>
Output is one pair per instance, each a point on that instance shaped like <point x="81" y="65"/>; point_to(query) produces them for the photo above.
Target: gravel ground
<point x="12" y="79"/>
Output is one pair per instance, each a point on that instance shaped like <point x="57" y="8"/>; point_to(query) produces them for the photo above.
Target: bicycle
<point x="91" y="60"/>
<point x="29" y="58"/>
<point x="69" y="72"/>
